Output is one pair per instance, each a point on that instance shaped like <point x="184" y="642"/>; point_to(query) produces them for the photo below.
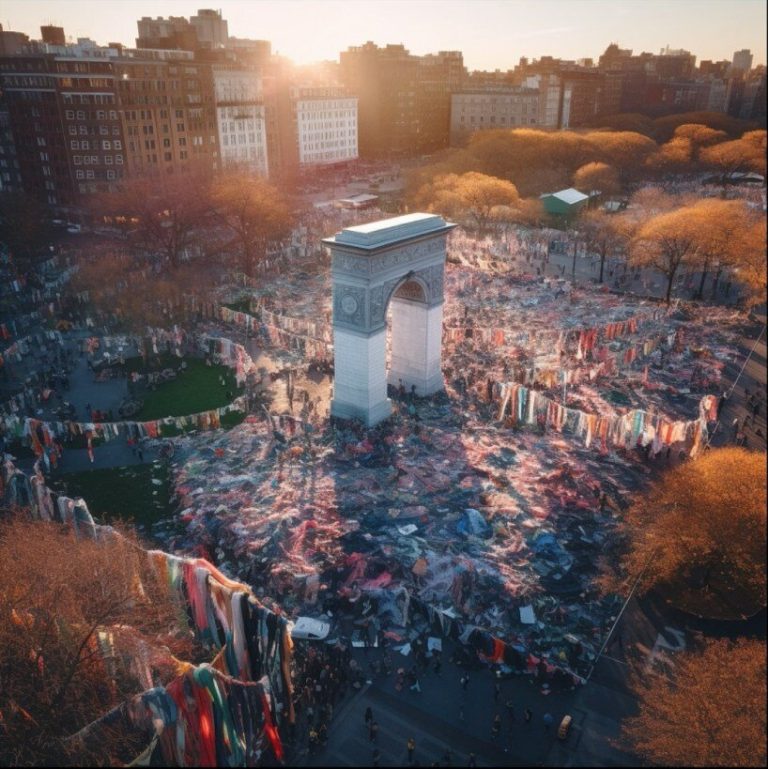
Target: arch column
<point x="404" y="256"/>
<point x="417" y="330"/>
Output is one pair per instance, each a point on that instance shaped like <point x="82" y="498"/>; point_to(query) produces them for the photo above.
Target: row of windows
<point x="84" y="130"/>
<point x="88" y="160"/>
<point x="311" y="106"/>
<point x="316" y="135"/>
<point x="512" y="120"/>
<point x="313" y="114"/>
<point x="94" y="145"/>
<point x="99" y="114"/>
<point x="326" y="145"/>
<point x="83" y="98"/>
<point x="93" y="82"/>
<point x="242" y="125"/>
<point x="227" y="140"/>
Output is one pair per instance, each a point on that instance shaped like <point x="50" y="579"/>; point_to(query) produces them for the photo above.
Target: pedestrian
<point x="472" y="761"/>
<point x="376" y="757"/>
<point x="411" y="745"/>
<point x="312" y="742"/>
<point x="414" y="679"/>
<point x="438" y="661"/>
<point x="368" y="717"/>
<point x="465" y="681"/>
<point x="527" y="716"/>
<point x="496" y="691"/>
<point x="448" y="757"/>
<point x="510" y="711"/>
<point x="373" y="731"/>
<point x="140" y="454"/>
<point x="496" y="727"/>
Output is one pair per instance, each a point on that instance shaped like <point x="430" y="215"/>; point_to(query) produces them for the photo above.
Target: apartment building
<point x="325" y="121"/>
<point x="241" y="118"/>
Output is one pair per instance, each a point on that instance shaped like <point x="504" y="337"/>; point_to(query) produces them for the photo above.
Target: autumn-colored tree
<point x="667" y="242"/>
<point x="626" y="152"/>
<point x="751" y="263"/>
<point x="253" y="210"/>
<point x="663" y="128"/>
<point x="472" y="198"/>
<point x="725" y="236"/>
<point x="601" y="234"/>
<point x="699" y="534"/>
<point x="161" y="212"/>
<point x="57" y="593"/>
<point x="597" y="176"/>
<point x="728" y="159"/>
<point x="711" y="711"/>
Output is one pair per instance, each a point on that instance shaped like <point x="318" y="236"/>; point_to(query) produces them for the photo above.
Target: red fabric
<point x="270" y="730"/>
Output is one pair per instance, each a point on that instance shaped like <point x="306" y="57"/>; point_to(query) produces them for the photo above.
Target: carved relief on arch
<point x="412" y="290"/>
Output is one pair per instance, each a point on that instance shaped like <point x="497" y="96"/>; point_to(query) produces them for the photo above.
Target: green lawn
<point x="198" y="389"/>
<point x="140" y="493"/>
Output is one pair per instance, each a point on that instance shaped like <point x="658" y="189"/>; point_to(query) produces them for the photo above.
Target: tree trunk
<point x="716" y="281"/>
<point x="704" y="272"/>
<point x="670" y="281"/>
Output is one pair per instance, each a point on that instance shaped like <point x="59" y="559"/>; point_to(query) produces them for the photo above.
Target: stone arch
<point x="398" y="262"/>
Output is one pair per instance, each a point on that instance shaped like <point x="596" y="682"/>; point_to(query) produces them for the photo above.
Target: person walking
<point x="368" y="717"/>
<point x="376" y="757"/>
<point x="437" y="661"/>
<point x="465" y="681"/>
<point x="411" y="745"/>
<point x="496" y="727"/>
<point x="527" y="716"/>
<point x="496" y="691"/>
<point x="472" y="760"/>
<point x="373" y="731"/>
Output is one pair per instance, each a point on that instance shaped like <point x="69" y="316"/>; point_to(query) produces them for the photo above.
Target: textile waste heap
<point x="222" y="714"/>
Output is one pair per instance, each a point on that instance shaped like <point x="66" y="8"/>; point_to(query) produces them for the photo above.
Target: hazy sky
<point x="492" y="34"/>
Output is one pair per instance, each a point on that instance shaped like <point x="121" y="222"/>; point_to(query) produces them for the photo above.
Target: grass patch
<point x="198" y="389"/>
<point x="139" y="493"/>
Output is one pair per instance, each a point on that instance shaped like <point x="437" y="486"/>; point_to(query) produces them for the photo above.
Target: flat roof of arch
<point x="388" y="231"/>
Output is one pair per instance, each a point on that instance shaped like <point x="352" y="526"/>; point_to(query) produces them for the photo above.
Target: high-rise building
<point x="12" y="43"/>
<point x="325" y="121"/>
<point x="481" y="110"/>
<point x="404" y="100"/>
<point x="742" y="60"/>
<point x="168" y="113"/>
<point x="173" y="33"/>
<point x="241" y="118"/>
<point x="64" y="117"/>
<point x="211" y="28"/>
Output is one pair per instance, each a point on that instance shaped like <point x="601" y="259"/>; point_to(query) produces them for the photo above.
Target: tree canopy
<point x="254" y="211"/>
<point x="58" y="596"/>
<point x="472" y="198"/>
<point x="701" y="533"/>
<point x="712" y="712"/>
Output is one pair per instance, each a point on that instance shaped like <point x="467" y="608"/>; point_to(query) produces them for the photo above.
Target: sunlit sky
<point x="492" y="34"/>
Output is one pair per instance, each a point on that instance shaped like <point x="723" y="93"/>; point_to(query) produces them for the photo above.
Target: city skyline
<point x="709" y="29"/>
